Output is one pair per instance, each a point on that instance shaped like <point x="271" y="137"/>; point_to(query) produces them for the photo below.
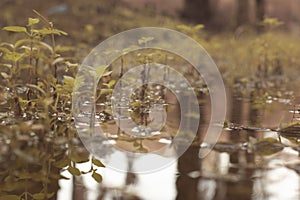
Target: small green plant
<point x="271" y="23"/>
<point x="268" y="51"/>
<point x="36" y="121"/>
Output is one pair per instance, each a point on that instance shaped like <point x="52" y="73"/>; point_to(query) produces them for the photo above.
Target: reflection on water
<point x="121" y="185"/>
<point x="241" y="166"/>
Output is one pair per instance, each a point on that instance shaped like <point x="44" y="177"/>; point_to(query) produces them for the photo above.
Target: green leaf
<point x="68" y="83"/>
<point x="16" y="29"/>
<point x="105" y="91"/>
<point x="272" y="22"/>
<point x="10" y="197"/>
<point x="74" y="171"/>
<point x="107" y="73"/>
<point x="79" y="156"/>
<point x="9" y="66"/>
<point x="100" y="70"/>
<point x="5" y="50"/>
<point x="97" y="177"/>
<point x="45" y="45"/>
<point x="268" y="146"/>
<point x="198" y="27"/>
<point x="37" y="88"/>
<point x="3" y="44"/>
<point x="22" y="42"/>
<point x="111" y="83"/>
<point x="97" y="162"/>
<point x="183" y="28"/>
<point x="14" y="56"/>
<point x="48" y="31"/>
<point x="69" y="80"/>
<point x="65" y="161"/>
<point x="292" y="130"/>
<point x="4" y="75"/>
<point x="58" y="60"/>
<point x="23" y="103"/>
<point x="32" y="21"/>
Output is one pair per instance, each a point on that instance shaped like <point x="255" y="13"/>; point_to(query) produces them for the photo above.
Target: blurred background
<point x="255" y="46"/>
<point x="105" y="18"/>
<point x="216" y="14"/>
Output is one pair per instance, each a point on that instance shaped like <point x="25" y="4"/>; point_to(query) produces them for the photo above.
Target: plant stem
<point x="120" y="78"/>
<point x="36" y="71"/>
